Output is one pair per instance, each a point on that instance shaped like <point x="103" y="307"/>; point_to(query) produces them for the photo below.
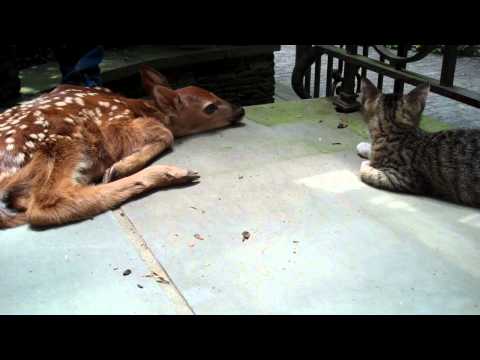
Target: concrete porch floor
<point x="321" y="241"/>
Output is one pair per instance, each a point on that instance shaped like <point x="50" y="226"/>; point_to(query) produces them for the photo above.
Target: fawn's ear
<point x="166" y="99"/>
<point x="368" y="91"/>
<point x="418" y="96"/>
<point x="151" y="77"/>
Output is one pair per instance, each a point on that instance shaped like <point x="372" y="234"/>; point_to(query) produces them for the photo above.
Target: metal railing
<point x="343" y="82"/>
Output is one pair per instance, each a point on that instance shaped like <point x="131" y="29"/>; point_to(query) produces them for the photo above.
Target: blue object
<point x="86" y="71"/>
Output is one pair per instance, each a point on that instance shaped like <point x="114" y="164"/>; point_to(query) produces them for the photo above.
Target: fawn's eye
<point x="210" y="109"/>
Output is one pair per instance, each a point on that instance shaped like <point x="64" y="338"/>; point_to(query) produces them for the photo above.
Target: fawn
<point x="55" y="148"/>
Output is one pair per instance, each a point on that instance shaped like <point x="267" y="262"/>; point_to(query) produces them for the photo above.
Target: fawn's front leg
<point x="155" y="138"/>
<point x="134" y="162"/>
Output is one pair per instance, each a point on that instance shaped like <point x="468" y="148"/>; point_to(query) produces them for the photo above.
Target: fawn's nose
<point x="238" y="113"/>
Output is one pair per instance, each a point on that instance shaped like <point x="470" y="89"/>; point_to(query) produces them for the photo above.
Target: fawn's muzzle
<point x="238" y="114"/>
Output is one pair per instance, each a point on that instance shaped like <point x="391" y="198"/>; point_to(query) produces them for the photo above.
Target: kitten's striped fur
<point x="404" y="158"/>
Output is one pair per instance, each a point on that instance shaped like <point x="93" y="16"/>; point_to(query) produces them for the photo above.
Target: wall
<point x="244" y="80"/>
<point x="9" y="81"/>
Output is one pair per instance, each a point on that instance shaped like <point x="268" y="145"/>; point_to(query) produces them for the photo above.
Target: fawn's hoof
<point x="193" y="175"/>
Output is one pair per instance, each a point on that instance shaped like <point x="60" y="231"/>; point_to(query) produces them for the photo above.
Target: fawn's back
<point x="68" y="112"/>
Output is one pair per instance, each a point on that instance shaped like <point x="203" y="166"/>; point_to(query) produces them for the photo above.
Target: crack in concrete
<point x="182" y="307"/>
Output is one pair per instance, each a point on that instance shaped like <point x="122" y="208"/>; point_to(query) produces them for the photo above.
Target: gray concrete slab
<point x="321" y="241"/>
<point x="70" y="270"/>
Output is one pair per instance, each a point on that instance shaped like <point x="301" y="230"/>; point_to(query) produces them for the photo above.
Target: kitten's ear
<point x="368" y="90"/>
<point x="419" y="95"/>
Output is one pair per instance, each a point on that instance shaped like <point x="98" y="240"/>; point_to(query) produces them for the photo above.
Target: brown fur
<point x="55" y="147"/>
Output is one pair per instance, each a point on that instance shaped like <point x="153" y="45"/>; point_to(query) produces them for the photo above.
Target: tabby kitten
<point x="404" y="158"/>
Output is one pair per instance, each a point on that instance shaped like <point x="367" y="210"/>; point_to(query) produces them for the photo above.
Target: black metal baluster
<point x="399" y="85"/>
<point x="346" y="101"/>
<point x="329" y="90"/>
<point x="380" y="75"/>
<point x="448" y="65"/>
<point x="365" y="53"/>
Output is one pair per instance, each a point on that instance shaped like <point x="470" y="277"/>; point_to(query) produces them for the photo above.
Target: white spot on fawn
<point x="60" y="103"/>
<point x="30" y="144"/>
<point x="79" y="101"/>
<point x="9" y="140"/>
<point x="23" y="127"/>
<point x="105" y="104"/>
<point x="20" y="158"/>
<point x="10" y="147"/>
<point x="33" y="136"/>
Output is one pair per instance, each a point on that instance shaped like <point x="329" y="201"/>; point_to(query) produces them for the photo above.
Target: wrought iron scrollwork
<point x="344" y="82"/>
<point x="302" y="65"/>
<point x="421" y="52"/>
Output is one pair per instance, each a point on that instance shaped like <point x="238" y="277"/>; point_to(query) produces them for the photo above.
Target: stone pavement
<point x="467" y="75"/>
<point x="321" y="241"/>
